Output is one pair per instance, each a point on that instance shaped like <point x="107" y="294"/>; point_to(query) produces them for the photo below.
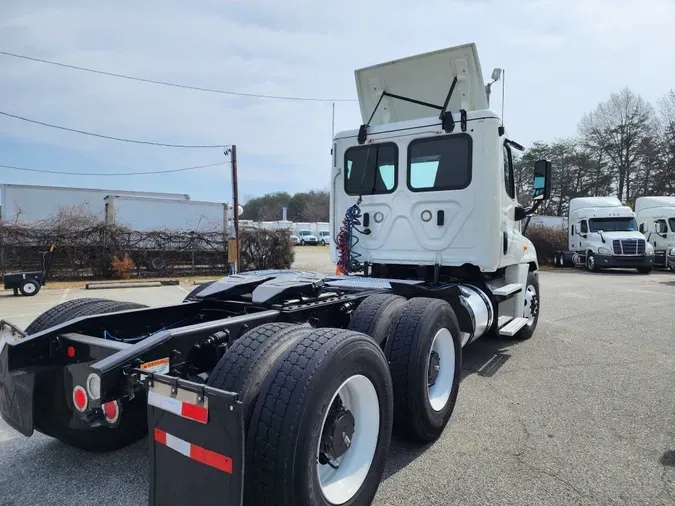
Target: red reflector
<point x="195" y="412"/>
<point x="111" y="411"/>
<point x="71" y="351"/>
<point x="210" y="458"/>
<point x="80" y="398"/>
<point x="160" y="436"/>
<point x="194" y="452"/>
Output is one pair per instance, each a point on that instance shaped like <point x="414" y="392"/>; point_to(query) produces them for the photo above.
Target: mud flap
<point x="196" y="437"/>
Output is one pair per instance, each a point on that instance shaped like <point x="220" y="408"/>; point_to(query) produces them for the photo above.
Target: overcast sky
<point x="561" y="59"/>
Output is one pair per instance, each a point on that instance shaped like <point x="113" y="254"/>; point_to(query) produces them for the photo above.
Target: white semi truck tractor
<point x="603" y="233"/>
<point x="284" y="387"/>
<point x="656" y="220"/>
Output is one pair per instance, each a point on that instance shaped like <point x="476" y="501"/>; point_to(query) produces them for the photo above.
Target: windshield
<point x="613" y="225"/>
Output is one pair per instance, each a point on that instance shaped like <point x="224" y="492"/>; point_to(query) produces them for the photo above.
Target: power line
<point x="44" y="171"/>
<point x="121" y="139"/>
<point x="175" y="85"/>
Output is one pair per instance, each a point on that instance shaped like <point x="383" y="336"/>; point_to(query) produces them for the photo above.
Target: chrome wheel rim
<point x="340" y="479"/>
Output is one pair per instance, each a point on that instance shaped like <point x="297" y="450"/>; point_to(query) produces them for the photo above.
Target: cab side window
<point x="508" y="172"/>
<point x="584" y="227"/>
<point x="661" y="227"/>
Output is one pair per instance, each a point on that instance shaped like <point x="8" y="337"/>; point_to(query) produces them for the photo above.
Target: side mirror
<point x="577" y="228"/>
<point x="541" y="189"/>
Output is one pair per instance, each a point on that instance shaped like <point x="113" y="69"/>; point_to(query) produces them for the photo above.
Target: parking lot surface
<point x="583" y="413"/>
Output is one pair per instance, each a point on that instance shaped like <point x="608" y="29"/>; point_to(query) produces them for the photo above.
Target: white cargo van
<point x="656" y="220"/>
<point x="603" y="233"/>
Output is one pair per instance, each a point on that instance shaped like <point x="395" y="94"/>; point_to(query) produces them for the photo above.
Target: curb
<point x="204" y="282"/>
<point x="132" y="284"/>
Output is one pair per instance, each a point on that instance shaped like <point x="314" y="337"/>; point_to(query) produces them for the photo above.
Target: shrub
<point x="265" y="249"/>
<point x="547" y="240"/>
<point x="122" y="267"/>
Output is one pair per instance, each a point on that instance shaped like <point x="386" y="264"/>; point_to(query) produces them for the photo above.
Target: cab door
<point x="512" y="239"/>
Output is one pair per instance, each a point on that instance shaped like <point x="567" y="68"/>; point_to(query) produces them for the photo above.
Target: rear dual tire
<point x="328" y="382"/>
<point x="425" y="359"/>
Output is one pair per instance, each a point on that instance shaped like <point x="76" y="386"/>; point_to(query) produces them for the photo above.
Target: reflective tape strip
<point x="194" y="452"/>
<point x="180" y="408"/>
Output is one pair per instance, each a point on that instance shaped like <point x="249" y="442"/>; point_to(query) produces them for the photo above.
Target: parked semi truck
<point x="656" y="220"/>
<point x="603" y="233"/>
<point x="284" y="387"/>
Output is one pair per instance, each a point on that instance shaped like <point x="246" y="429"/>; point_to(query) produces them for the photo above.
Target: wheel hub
<point x="434" y="368"/>
<point x="337" y="434"/>
<point x="531" y="303"/>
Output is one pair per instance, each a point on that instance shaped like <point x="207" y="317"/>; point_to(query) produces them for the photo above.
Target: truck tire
<point x="591" y="265"/>
<point x="197" y="289"/>
<point x="328" y="382"/>
<point x="29" y="287"/>
<point x="250" y="359"/>
<point x="60" y="314"/>
<point x="51" y="411"/>
<point x="425" y="337"/>
<point x="375" y="315"/>
<point x="532" y="306"/>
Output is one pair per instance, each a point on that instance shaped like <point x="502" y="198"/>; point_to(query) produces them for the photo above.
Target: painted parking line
<point x="181" y="288"/>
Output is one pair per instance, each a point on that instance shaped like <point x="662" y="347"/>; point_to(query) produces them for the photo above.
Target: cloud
<point x="561" y="58"/>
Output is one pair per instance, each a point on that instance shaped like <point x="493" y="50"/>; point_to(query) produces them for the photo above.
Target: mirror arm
<point x="523" y="212"/>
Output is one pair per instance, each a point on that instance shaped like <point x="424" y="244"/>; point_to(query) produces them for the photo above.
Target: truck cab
<point x="603" y="233"/>
<point x="432" y="195"/>
<point x="656" y="220"/>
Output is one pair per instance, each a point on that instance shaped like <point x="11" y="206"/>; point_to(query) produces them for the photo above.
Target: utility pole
<point x="233" y="254"/>
<point x="235" y="201"/>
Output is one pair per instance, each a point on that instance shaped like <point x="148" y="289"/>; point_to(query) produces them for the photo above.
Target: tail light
<point x="80" y="399"/>
<point x="111" y="411"/>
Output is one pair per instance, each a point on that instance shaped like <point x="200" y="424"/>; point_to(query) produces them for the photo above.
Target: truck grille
<point x="630" y="247"/>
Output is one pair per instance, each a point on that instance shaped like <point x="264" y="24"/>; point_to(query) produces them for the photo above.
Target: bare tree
<point x="617" y="129"/>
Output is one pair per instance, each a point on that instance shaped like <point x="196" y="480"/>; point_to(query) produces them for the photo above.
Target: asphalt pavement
<point x="583" y="413"/>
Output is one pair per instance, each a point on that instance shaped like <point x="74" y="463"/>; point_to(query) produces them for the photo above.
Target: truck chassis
<point x="257" y="381"/>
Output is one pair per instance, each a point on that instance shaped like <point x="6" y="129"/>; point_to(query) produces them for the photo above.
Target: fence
<point x="90" y="252"/>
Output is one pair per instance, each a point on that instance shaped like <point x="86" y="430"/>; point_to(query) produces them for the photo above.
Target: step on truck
<point x="656" y="220"/>
<point x="603" y="233"/>
<point x="284" y="387"/>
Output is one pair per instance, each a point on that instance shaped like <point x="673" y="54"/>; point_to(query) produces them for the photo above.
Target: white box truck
<point x="24" y="204"/>
<point x="656" y="219"/>
<point x="603" y="233"/>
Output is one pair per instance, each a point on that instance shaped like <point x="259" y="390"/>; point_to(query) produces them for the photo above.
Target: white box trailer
<point x="656" y="219"/>
<point x="23" y="204"/>
<point x="603" y="233"/>
<point x="146" y="214"/>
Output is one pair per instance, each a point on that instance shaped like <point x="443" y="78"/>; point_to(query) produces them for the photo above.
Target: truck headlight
<point x="649" y="249"/>
<point x="604" y="251"/>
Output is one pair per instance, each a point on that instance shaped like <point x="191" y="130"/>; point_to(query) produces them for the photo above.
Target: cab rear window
<point x="371" y="169"/>
<point x="439" y="163"/>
